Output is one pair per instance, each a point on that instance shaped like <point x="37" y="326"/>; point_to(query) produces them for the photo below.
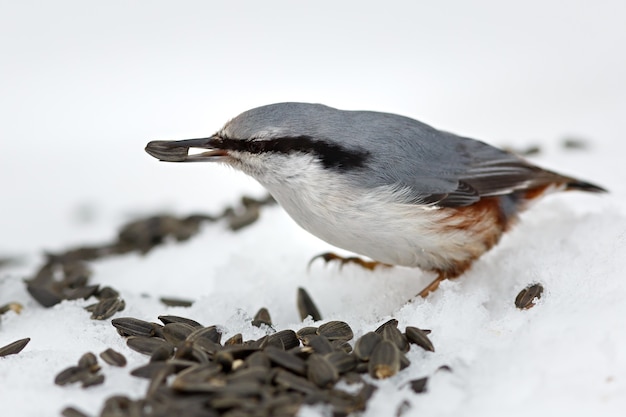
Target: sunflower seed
<point x="234" y="340"/>
<point x="294" y="382"/>
<point x="44" y="295"/>
<point x="70" y="375"/>
<point x="177" y="319"/>
<point x="258" y="359"/>
<point x="107" y="292"/>
<point x="160" y="354"/>
<point x="320" y="371"/>
<point x="394" y="335"/>
<point x="391" y="322"/>
<point x="262" y="317"/>
<point x="318" y="343"/>
<point x="176" y="302"/>
<point x="72" y="412"/>
<point x="107" y="307"/>
<point x="288" y="338"/>
<point x="286" y="360"/>
<point x="306" y="306"/>
<point x="14" y="348"/>
<point x="210" y="333"/>
<point x="336" y="330"/>
<point x="418" y="336"/>
<point x="176" y="332"/>
<point x="385" y="360"/>
<point x="306" y="331"/>
<point x="419" y="385"/>
<point x="113" y="358"/>
<point x="128" y="326"/>
<point x="90" y="362"/>
<point x="526" y="298"/>
<point x="342" y="361"/>
<point x="92" y="379"/>
<point x="147" y="345"/>
<point x="151" y="369"/>
<point x="366" y="344"/>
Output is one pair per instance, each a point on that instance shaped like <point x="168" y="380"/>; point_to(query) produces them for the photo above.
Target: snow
<point x="85" y="86"/>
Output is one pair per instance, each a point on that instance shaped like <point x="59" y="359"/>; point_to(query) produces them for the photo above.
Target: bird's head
<point x="273" y="144"/>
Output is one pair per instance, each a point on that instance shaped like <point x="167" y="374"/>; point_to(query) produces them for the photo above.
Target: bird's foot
<point x="329" y="256"/>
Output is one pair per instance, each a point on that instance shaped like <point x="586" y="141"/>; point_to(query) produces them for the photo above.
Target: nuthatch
<point x="381" y="185"/>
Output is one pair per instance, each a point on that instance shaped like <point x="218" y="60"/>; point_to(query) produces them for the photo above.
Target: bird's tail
<point x="577" y="185"/>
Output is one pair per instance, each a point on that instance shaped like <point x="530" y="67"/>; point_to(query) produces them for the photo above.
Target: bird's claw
<point x="329" y="256"/>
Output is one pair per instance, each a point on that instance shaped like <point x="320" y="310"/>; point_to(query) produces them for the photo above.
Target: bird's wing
<point x="452" y="171"/>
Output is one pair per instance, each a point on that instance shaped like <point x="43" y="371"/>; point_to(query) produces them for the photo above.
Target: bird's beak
<point x="178" y="150"/>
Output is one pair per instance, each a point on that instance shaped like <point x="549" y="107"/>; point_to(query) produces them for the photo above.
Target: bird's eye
<point x="255" y="146"/>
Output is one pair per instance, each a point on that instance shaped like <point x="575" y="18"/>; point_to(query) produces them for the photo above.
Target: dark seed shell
<point x="294" y="382"/>
<point x="288" y="338"/>
<point x="177" y="319"/>
<point x="43" y="294"/>
<point x="175" y="302"/>
<point x="107" y="292"/>
<point x="211" y="333"/>
<point x="306" y="306"/>
<point x="306" y="331"/>
<point x="151" y="369"/>
<point x="175" y="333"/>
<point x="92" y="379"/>
<point x="15" y="347"/>
<point x="234" y="340"/>
<point x="526" y="298"/>
<point x="70" y="375"/>
<point x="366" y="344"/>
<point x="147" y="345"/>
<point x="286" y="360"/>
<point x="321" y="372"/>
<point x="113" y="358"/>
<point x="385" y="360"/>
<point x="258" y="359"/>
<point x="336" y="330"/>
<point x="319" y="344"/>
<point x="262" y="317"/>
<point x="394" y="335"/>
<point x="107" y="307"/>
<point x="418" y="336"/>
<point x="419" y="385"/>
<point x="129" y="326"/>
<point x="72" y="412"/>
<point x="90" y="362"/>
<point x="343" y="361"/>
<point x="391" y="322"/>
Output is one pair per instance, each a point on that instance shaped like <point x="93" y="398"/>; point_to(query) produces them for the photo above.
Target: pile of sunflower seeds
<point x="65" y="276"/>
<point x="193" y="373"/>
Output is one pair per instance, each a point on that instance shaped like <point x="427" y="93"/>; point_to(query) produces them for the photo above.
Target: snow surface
<point x="85" y="85"/>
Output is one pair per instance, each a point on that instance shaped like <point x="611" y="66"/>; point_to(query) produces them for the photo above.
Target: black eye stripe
<point x="331" y="155"/>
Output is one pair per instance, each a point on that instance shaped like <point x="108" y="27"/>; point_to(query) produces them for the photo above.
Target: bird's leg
<point x="329" y="256"/>
<point x="433" y="285"/>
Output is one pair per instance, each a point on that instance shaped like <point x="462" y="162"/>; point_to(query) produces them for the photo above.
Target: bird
<point x="381" y="185"/>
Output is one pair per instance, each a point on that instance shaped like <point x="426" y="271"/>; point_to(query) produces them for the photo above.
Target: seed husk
<point x="107" y="307"/>
<point x="72" y="412"/>
<point x="14" y="348"/>
<point x="107" y="292"/>
<point x="210" y="333"/>
<point x="151" y="369"/>
<point x="385" y="360"/>
<point x="160" y="354"/>
<point x="113" y="358"/>
<point x="306" y="331"/>
<point x="342" y="361"/>
<point x="526" y="298"/>
<point x="294" y="382"/>
<point x="390" y="322"/>
<point x="82" y="292"/>
<point x="318" y="343"/>
<point x="321" y="372"/>
<point x="262" y="317"/>
<point x="92" y="379"/>
<point x="147" y="345"/>
<point x="175" y="333"/>
<point x="306" y="306"/>
<point x="418" y="385"/>
<point x="366" y="344"/>
<point x="286" y="360"/>
<point x="258" y="359"/>
<point x="90" y="362"/>
<point x="341" y="345"/>
<point x="176" y="302"/>
<point x="394" y="335"/>
<point x="419" y="337"/>
<point x="70" y="375"/>
<point x="236" y="339"/>
<point x="44" y="295"/>
<point x="336" y="330"/>
<point x="178" y="319"/>
<point x="288" y="338"/>
<point x="129" y="326"/>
